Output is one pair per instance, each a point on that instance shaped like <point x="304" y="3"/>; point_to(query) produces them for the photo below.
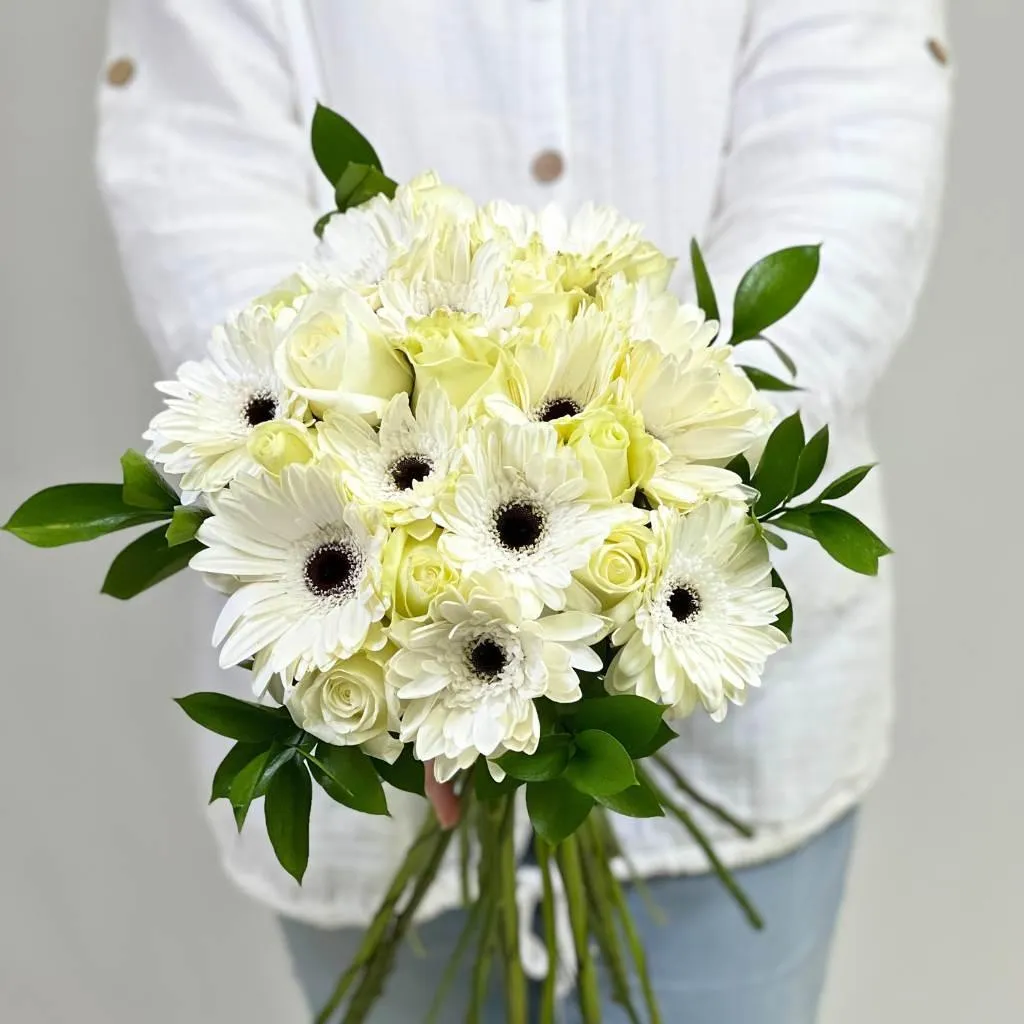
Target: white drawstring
<point x="532" y="947"/>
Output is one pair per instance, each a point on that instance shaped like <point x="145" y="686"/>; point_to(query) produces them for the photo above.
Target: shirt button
<point x="938" y="51"/>
<point x="548" y="166"/>
<point x="120" y="71"/>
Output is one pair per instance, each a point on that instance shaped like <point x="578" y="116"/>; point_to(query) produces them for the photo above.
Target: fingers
<point x="443" y="797"/>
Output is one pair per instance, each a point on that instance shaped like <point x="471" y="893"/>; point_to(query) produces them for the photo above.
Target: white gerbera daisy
<point x="216" y="403"/>
<point x="559" y="370"/>
<point x="694" y="405"/>
<point x="309" y="567"/>
<point x="467" y="682"/>
<point x="360" y="246"/>
<point x="445" y="277"/>
<point x="703" y="626"/>
<point x="518" y="509"/>
<point x="648" y="313"/>
<point x="550" y="250"/>
<point x="403" y="469"/>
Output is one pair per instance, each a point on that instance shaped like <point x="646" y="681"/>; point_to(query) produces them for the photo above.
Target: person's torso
<point x="617" y="102"/>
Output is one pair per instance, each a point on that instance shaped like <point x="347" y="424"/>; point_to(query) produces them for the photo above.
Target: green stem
<point x="373" y="980"/>
<point x="468" y="930"/>
<point x="587" y="991"/>
<point x="698" y="798"/>
<point x="724" y="874"/>
<point x="489" y="895"/>
<point x="515" y="979"/>
<point x="548" y="996"/>
<point x="382" y="919"/>
<point x="602" y="831"/>
<point x="596" y="870"/>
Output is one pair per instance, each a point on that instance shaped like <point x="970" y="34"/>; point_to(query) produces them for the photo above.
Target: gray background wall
<point x="112" y="907"/>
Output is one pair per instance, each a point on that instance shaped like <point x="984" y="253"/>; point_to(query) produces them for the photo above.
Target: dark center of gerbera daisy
<point x="556" y="408"/>
<point x="261" y="408"/>
<point x="487" y="657"/>
<point x="410" y="469"/>
<point x="683" y="603"/>
<point x="519" y="525"/>
<point x="331" y="570"/>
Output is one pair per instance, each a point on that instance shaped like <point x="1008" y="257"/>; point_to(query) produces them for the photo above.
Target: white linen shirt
<point x="751" y="124"/>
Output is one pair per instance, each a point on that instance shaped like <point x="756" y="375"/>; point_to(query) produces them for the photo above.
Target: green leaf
<point x="811" y="462"/>
<point x="662" y="735"/>
<point x="405" y="774"/>
<point x="236" y="719"/>
<point x="631" y="720"/>
<point x="774" y="539"/>
<point x="784" y="356"/>
<point x="338" y="143"/>
<point x="638" y="801"/>
<point x="148" y="560"/>
<point x="360" y="182"/>
<point x="740" y="467"/>
<point x="486" y="789"/>
<point x="70" y="513"/>
<point x="847" y="539"/>
<point x="347" y="775"/>
<point x="286" y="812"/>
<point x="547" y="762"/>
<point x="600" y="765"/>
<point x="795" y="520"/>
<point x="765" y="381"/>
<point x="785" y="620"/>
<point x="556" y="809"/>
<point x="322" y="222"/>
<point x="143" y="486"/>
<point x="705" y="290"/>
<point x="253" y="780"/>
<point x="771" y="288"/>
<point x="776" y="472"/>
<point x="842" y="485"/>
<point x="234" y="761"/>
<point x="184" y="523"/>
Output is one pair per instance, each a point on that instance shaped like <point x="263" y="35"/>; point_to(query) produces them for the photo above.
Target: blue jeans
<point x="708" y="966"/>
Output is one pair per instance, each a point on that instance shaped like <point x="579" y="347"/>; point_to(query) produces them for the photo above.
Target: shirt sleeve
<point x="203" y="160"/>
<point x="838" y="137"/>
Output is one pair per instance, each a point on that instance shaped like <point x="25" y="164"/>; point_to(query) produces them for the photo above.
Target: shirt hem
<point x="770" y="843"/>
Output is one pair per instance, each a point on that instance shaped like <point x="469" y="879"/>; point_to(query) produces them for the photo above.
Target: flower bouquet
<point x="481" y="496"/>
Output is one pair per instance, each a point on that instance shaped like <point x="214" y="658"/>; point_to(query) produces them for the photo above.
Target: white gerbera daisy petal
<point x="487" y="662"/>
<point x="443" y="277"/>
<point x="692" y="404"/>
<point x="647" y="313"/>
<point x="308" y="564"/>
<point x="517" y="511"/>
<point x="215" y="404"/>
<point x="704" y="625"/>
<point x="559" y="370"/>
<point x="360" y="246"/>
<point x="405" y="467"/>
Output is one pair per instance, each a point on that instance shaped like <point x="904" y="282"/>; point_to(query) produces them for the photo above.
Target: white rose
<point x="618" y="568"/>
<point x="414" y="573"/>
<point x="279" y="443"/>
<point x="335" y="356"/>
<point x="347" y="705"/>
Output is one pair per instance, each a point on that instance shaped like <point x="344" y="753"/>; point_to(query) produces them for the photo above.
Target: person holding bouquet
<point x="749" y="124"/>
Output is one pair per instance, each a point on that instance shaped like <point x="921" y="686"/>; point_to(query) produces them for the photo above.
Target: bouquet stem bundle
<point x="580" y="867"/>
